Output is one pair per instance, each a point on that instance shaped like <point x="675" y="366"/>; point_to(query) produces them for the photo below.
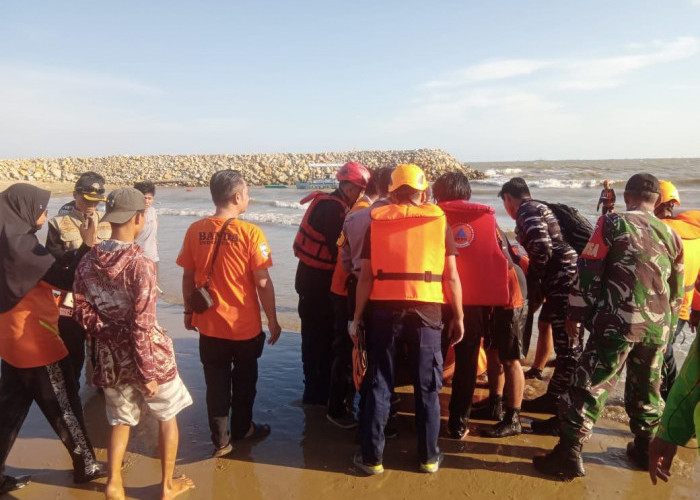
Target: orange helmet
<point x="408" y="174"/>
<point x="669" y="193"/>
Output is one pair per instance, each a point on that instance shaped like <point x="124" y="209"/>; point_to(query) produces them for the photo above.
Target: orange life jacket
<point x="408" y="253"/>
<point x="482" y="267"/>
<point x="340" y="275"/>
<point x="687" y="226"/>
<point x="310" y="246"/>
<point x="606" y="196"/>
<point x="29" y="335"/>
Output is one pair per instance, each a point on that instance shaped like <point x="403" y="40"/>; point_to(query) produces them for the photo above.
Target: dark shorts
<point x="505" y="332"/>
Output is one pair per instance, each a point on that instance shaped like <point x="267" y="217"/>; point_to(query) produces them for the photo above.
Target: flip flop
<point x="259" y="431"/>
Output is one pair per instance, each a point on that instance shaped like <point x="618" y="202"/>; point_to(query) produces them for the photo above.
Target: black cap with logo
<point x="92" y="186"/>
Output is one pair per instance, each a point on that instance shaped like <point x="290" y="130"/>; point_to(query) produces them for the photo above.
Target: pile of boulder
<point x="195" y="170"/>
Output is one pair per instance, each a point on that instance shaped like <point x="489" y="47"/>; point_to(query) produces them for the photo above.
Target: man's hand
<point x="188" y="322"/>
<point x="88" y="229"/>
<point x="275" y="330"/>
<point x="661" y="455"/>
<point x="694" y="320"/>
<point x="573" y="329"/>
<point x="456" y="330"/>
<point x="150" y="389"/>
<point x="353" y="327"/>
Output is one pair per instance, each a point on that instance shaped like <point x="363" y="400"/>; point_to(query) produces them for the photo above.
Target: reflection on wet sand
<point x="305" y="456"/>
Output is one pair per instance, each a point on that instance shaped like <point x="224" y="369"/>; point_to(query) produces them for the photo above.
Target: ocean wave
<point x="280" y="204"/>
<point x="258" y="217"/>
<point x="497" y="172"/>
<point x="551" y="183"/>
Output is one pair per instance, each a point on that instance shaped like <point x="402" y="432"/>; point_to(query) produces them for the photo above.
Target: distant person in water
<point x="115" y="300"/>
<point x="36" y="366"/>
<point x="607" y="198"/>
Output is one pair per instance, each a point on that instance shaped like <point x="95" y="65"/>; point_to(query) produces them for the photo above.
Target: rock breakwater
<point x="195" y="170"/>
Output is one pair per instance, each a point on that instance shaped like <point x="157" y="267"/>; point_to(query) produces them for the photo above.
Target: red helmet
<point x="354" y="172"/>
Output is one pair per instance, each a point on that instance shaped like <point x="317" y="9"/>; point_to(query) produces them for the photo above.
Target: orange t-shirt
<point x="236" y="311"/>
<point x="29" y="333"/>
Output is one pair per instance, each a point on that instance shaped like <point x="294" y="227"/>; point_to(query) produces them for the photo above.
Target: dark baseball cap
<point x="643" y="182"/>
<point x="92" y="186"/>
<point x="122" y="204"/>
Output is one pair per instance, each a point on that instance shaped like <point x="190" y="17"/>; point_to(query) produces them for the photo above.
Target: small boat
<point x="315" y="182"/>
<point x="276" y="186"/>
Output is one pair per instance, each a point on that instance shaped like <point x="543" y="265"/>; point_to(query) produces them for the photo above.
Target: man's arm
<point x="364" y="288"/>
<point x="453" y="291"/>
<point x="266" y="294"/>
<point x="144" y="293"/>
<point x="187" y="289"/>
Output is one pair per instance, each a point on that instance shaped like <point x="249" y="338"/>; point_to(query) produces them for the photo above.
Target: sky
<point x="483" y="80"/>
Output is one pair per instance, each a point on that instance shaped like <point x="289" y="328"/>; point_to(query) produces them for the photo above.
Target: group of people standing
<point x="422" y="278"/>
<point x="387" y="280"/>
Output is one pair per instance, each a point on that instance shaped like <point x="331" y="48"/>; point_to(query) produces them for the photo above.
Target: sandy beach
<point x="307" y="457"/>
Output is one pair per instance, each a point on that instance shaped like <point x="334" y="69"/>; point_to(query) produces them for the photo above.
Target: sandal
<point x="10" y="483"/>
<point x="259" y="431"/>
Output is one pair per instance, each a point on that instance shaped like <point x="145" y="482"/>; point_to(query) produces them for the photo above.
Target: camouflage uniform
<point x="550" y="272"/>
<point x="63" y="240"/>
<point x="628" y="294"/>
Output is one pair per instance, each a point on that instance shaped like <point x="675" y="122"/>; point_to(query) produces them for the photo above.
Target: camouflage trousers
<point x="597" y="372"/>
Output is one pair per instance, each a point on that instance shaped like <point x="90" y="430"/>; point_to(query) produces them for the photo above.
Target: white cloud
<point x="494" y="70"/>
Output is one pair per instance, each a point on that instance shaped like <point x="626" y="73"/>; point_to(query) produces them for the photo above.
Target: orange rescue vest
<point x="482" y="267"/>
<point x="310" y="246"/>
<point x="687" y="226"/>
<point x="408" y="253"/>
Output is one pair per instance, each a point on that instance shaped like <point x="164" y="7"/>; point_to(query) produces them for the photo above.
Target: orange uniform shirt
<point x="244" y="249"/>
<point x="29" y="333"/>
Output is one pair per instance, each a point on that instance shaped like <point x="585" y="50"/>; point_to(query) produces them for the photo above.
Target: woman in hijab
<point x="35" y="364"/>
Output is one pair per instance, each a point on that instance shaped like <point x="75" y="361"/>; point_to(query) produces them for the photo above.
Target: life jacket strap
<point x="426" y="276"/>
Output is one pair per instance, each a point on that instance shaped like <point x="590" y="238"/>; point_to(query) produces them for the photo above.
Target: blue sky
<point x="483" y="80"/>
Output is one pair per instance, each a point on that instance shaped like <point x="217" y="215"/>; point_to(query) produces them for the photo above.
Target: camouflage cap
<point x="643" y="182"/>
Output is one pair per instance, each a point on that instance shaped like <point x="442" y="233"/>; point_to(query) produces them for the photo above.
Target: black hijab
<point x="23" y="260"/>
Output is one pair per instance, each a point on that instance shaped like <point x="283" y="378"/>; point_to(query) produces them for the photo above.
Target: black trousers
<point x="316" y="314"/>
<point x="73" y="336"/>
<point x="669" y="371"/>
<point x="54" y="390"/>
<point x="231" y="374"/>
<point x="342" y="389"/>
<point x="466" y="361"/>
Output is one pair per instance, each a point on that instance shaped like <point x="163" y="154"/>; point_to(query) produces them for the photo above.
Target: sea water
<point x="278" y="212"/>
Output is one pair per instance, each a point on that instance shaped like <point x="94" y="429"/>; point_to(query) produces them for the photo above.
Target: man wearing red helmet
<point x="315" y="247"/>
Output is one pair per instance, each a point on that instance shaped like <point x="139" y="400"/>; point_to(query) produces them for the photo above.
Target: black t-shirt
<point x="430" y="312"/>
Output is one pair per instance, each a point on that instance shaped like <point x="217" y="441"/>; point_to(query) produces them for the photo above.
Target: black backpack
<point x="575" y="228"/>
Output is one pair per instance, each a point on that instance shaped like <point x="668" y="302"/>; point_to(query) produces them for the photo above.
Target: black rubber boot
<point x="547" y="403"/>
<point x="492" y="411"/>
<point x="549" y="427"/>
<point x="564" y="461"/>
<point x="509" y="426"/>
<point x="638" y="452"/>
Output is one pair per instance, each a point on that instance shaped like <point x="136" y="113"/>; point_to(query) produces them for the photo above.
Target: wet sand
<point x="307" y="457"/>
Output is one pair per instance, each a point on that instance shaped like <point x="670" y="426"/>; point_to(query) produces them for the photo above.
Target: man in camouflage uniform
<point x="549" y="275"/>
<point x="628" y="294"/>
<point x="63" y="240"/>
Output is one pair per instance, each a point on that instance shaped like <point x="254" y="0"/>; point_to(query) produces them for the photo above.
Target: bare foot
<point x="114" y="491"/>
<point x="179" y="485"/>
